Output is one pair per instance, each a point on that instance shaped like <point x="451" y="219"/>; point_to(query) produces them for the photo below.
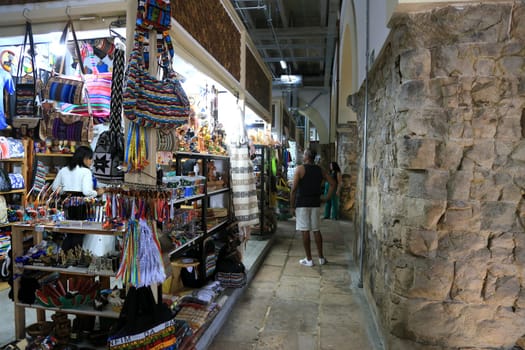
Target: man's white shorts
<point x="307" y="219"/>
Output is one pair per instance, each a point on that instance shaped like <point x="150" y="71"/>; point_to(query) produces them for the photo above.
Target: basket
<point x="39" y="329"/>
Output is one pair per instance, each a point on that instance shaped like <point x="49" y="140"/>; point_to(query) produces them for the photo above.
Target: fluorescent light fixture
<point x="291" y="79"/>
<point x="283" y="64"/>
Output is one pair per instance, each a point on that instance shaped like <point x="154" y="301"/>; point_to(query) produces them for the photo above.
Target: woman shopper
<point x="76" y="180"/>
<point x="331" y="207"/>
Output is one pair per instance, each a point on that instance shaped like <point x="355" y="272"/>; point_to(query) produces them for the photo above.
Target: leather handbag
<point x="151" y="102"/>
<point x="63" y="88"/>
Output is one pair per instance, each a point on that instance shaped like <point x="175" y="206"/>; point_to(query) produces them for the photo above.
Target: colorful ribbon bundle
<point x="141" y="260"/>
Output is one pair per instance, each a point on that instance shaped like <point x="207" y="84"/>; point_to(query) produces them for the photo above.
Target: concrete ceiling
<point x="303" y="33"/>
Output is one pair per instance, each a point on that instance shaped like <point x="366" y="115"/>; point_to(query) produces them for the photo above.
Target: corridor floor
<point x="293" y="307"/>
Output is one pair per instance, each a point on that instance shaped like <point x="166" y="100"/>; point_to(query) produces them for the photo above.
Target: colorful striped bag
<point x="98" y="90"/>
<point x="151" y="102"/>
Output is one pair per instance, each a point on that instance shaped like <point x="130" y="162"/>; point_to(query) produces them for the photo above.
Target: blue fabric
<point x="6" y="81"/>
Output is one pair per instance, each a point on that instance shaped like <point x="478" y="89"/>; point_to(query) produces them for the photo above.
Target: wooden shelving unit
<point x="17" y="241"/>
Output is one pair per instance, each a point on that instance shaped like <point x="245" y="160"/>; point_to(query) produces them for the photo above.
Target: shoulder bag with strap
<point x="28" y="87"/>
<point x="64" y="88"/>
<point x="109" y="151"/>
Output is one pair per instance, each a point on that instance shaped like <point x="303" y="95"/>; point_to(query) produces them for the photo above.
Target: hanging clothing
<point x="245" y="204"/>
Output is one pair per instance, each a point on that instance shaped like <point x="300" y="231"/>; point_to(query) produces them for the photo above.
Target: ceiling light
<point x="283" y="64"/>
<point x="291" y="79"/>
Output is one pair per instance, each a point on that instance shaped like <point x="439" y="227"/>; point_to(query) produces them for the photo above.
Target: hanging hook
<point x="68" y="14"/>
<point x="24" y="13"/>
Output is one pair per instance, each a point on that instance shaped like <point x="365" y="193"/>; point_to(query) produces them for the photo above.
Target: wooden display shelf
<point x="14" y="160"/>
<point x="216" y="227"/>
<point x="72" y="270"/>
<point x="187" y="244"/>
<point x="187" y="199"/>
<point x="13" y="191"/>
<point x="81" y="310"/>
<point x="193" y="155"/>
<point x="54" y="154"/>
<point x="67" y="229"/>
<point x="221" y="190"/>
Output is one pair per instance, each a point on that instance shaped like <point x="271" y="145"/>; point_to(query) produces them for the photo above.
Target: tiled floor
<point x="289" y="306"/>
<point x="286" y="306"/>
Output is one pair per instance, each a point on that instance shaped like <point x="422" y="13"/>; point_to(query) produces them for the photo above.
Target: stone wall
<point x="347" y="157"/>
<point x="445" y="241"/>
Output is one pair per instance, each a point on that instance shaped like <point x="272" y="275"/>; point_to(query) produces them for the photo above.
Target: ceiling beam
<point x="250" y="25"/>
<point x="284" y="21"/>
<point x="304" y="33"/>
<point x="298" y="59"/>
<point x="304" y="46"/>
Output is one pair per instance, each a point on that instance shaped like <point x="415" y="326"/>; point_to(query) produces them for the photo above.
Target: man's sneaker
<point x="322" y="261"/>
<point x="306" y="262"/>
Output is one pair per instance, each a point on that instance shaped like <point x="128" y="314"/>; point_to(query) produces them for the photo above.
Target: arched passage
<point x="312" y="114"/>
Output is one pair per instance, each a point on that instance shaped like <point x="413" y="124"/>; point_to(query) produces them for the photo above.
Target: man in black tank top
<point x="305" y="199"/>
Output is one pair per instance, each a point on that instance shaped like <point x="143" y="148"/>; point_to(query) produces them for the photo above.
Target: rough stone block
<point x="431" y="184"/>
<point x="499" y="216"/>
<point x="448" y="90"/>
<point x="518" y="153"/>
<point x="421" y="242"/>
<point x="432" y="123"/>
<point x="484" y="123"/>
<point x="485" y="91"/>
<point x="432" y="279"/>
<point x="483" y="186"/>
<point x="468" y="279"/>
<point x="452" y="61"/>
<point x="459" y="185"/>
<point x="461" y="216"/>
<point x="482" y="153"/>
<point x="519" y="251"/>
<point x="410" y="95"/>
<point x="414" y="64"/>
<point x="485" y="66"/>
<point x="518" y="23"/>
<point x="422" y="213"/>
<point x="509" y="129"/>
<point x="503" y="151"/>
<point x="458" y="245"/>
<point x="449" y="155"/>
<point x="499" y="330"/>
<point x="416" y="153"/>
<point x="511" y="66"/>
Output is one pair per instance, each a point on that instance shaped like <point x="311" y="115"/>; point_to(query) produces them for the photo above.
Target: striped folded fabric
<point x="231" y="280"/>
<point x="99" y="94"/>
